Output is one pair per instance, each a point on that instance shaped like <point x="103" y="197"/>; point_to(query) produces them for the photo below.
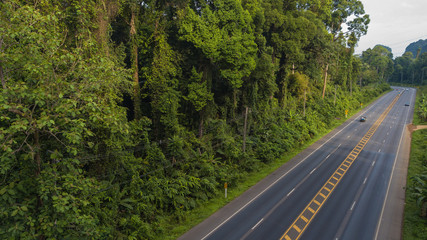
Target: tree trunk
<point x="134" y="56"/>
<point x="201" y="125"/>
<point x="244" y="129"/>
<point x="36" y="150"/>
<point x="234" y="103"/>
<point x="305" y="100"/>
<point x="335" y="96"/>
<point x="3" y="81"/>
<point x="107" y="9"/>
<point x="324" y="83"/>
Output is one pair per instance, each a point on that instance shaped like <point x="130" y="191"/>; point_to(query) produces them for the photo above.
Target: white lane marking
<point x="352" y="206"/>
<point x="373" y="163"/>
<point x="364" y="181"/>
<point x="290" y="192"/>
<point x="392" y="172"/>
<point x="280" y="178"/>
<point x="379" y="150"/>
<point x="256" y="225"/>
<point x="312" y="171"/>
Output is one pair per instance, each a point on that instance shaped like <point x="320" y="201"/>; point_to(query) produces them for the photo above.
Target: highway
<point x="335" y="189"/>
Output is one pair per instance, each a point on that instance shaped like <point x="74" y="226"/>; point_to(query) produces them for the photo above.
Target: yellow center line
<point x="351" y="157"/>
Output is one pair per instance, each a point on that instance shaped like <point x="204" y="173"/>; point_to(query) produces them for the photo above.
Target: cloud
<point x="394" y="23"/>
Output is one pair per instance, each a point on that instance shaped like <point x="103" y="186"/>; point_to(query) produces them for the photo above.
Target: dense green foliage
<point x="410" y="70"/>
<point x="377" y="63"/>
<point x="115" y="113"/>
<point x="415" y="221"/>
<point x="416" y="193"/>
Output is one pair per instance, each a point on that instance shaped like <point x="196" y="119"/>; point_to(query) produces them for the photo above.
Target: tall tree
<point x="381" y="60"/>
<point x="134" y="7"/>
<point x="57" y="108"/>
<point x="222" y="31"/>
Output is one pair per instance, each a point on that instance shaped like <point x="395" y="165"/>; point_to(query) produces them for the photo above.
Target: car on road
<point x="363" y="119"/>
<point x="406" y="104"/>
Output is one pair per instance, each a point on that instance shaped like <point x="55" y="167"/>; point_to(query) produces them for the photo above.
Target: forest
<point x="118" y="113"/>
<point x="410" y="69"/>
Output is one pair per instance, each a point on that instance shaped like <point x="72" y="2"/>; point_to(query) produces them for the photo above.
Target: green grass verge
<point x="415" y="226"/>
<point x="175" y="226"/>
<point x="417" y="120"/>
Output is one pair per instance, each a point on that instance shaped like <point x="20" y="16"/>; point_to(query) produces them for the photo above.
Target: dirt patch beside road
<point x="412" y="127"/>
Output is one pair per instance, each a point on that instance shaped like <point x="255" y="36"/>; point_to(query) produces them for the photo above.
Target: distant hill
<point x="413" y="47"/>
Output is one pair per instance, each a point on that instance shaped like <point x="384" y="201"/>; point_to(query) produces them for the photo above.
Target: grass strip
<point x="415" y="226"/>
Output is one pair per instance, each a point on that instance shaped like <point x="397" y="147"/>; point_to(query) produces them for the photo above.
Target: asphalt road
<point x="315" y="196"/>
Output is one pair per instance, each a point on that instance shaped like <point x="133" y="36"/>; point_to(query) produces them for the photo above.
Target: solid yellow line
<point x="366" y="139"/>
<point x="287" y="237"/>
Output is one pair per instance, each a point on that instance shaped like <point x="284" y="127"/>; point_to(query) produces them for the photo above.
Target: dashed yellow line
<point x="297" y="228"/>
<point x="304" y="218"/>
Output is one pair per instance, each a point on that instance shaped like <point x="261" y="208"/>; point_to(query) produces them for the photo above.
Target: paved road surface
<point x="338" y="188"/>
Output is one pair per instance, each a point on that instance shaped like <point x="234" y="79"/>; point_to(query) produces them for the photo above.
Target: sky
<point x="394" y="23"/>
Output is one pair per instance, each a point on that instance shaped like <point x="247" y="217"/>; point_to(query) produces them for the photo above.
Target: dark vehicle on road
<point x="363" y="119"/>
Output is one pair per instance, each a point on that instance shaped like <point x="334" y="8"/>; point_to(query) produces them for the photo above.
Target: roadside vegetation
<point x="415" y="218"/>
<point x="175" y="228"/>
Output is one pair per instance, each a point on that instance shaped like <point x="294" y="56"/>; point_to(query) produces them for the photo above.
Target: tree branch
<point x="51" y="133"/>
<point x="14" y="110"/>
